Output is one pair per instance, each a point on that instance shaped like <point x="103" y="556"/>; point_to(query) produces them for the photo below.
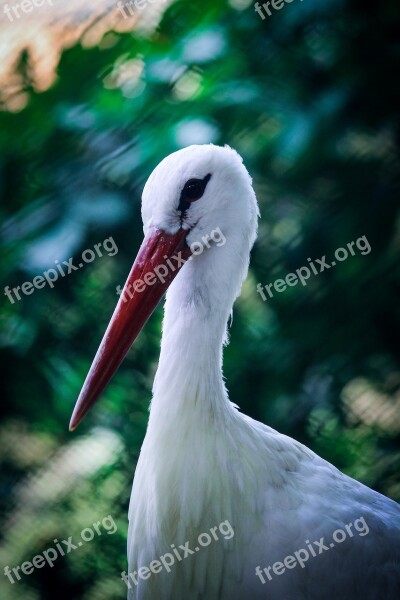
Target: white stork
<point x="202" y="462"/>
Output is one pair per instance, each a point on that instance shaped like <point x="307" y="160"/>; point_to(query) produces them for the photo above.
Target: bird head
<point x="195" y="201"/>
<point x="199" y="189"/>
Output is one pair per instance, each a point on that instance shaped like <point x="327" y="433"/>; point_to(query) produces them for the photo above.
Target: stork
<point x="203" y="463"/>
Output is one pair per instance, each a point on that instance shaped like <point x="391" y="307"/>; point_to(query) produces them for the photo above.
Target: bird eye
<point x="192" y="191"/>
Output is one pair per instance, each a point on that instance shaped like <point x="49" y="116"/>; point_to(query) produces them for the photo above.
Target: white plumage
<point x="203" y="463"/>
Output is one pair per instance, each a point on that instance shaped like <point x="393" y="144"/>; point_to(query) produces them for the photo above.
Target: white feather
<point x="203" y="462"/>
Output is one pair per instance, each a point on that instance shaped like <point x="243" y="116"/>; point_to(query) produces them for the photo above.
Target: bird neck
<point x="189" y="376"/>
<point x="189" y="380"/>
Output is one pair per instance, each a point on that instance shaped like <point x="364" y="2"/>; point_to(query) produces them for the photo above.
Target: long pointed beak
<point x="159" y="260"/>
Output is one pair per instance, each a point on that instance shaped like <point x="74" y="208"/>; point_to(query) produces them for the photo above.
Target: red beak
<point x="147" y="282"/>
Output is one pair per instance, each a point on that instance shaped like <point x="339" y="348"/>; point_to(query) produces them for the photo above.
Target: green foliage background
<point x="310" y="98"/>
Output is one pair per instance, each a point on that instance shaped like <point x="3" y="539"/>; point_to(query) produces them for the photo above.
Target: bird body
<point x="276" y="495"/>
<point x="259" y="500"/>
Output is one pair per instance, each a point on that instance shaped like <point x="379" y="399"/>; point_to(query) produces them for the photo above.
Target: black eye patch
<point x="192" y="191"/>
